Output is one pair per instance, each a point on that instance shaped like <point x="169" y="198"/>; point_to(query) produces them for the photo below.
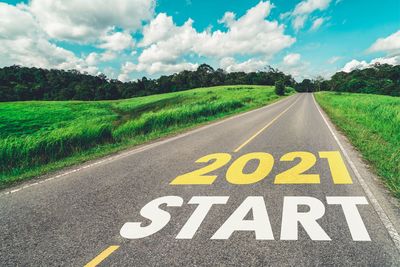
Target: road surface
<point x="260" y="213"/>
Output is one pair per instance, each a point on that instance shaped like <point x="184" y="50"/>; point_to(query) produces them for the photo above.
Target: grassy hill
<point x="372" y="123"/>
<point x="41" y="136"/>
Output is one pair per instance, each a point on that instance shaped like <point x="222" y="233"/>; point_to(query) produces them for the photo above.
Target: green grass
<point x="37" y="137"/>
<point x="372" y="123"/>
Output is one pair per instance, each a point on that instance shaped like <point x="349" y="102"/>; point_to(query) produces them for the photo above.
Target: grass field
<point x="372" y="123"/>
<point x="41" y="136"/>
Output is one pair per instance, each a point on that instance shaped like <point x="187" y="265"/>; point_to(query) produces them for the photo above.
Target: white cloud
<point x="116" y="41"/>
<point x="303" y="9"/>
<point x="316" y="24"/>
<point x="126" y="69"/>
<point x="110" y="72"/>
<point x="154" y="68"/>
<point x="333" y="59"/>
<point x="109" y="25"/>
<point x="108" y="56"/>
<point x="395" y="60"/>
<point x="14" y="22"/>
<point x="390" y="44"/>
<point x="23" y="43"/>
<point x="26" y="29"/>
<point x="250" y="34"/>
<point x="92" y="59"/>
<point x="228" y="19"/>
<point x="84" y="21"/>
<point x="293" y="65"/>
<point x="160" y="28"/>
<point x="355" y="64"/>
<point x="298" y="22"/>
<point x="292" y="59"/>
<point x="285" y="15"/>
<point x="230" y="65"/>
<point x="308" y="6"/>
<point x="165" y="43"/>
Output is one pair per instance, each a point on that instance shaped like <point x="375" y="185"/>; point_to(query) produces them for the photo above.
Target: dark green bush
<point x="280" y="88"/>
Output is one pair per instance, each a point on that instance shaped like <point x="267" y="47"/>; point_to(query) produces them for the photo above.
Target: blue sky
<point x="128" y="39"/>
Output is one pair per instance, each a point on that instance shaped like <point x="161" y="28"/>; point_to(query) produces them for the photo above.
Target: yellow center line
<point x="265" y="127"/>
<point x="102" y="256"/>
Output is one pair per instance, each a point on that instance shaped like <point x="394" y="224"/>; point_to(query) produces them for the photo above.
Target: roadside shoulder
<point x="387" y="201"/>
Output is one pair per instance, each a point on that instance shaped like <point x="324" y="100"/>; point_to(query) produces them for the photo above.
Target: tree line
<point x="381" y="79"/>
<point x="21" y="83"/>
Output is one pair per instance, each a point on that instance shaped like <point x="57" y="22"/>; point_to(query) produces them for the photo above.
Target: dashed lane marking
<point x="265" y="127"/>
<point x="102" y="256"/>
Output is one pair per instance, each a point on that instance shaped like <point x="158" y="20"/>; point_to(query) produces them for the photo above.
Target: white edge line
<point x="142" y="148"/>
<point x="379" y="210"/>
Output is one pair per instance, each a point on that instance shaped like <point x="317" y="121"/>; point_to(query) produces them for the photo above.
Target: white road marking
<point x="379" y="210"/>
<point x="143" y="148"/>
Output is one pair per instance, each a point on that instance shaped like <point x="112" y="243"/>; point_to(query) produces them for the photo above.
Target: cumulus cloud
<point x="355" y="64"/>
<point x="334" y="59"/>
<point x="296" y="67"/>
<point x="285" y="15"/>
<point x="108" y="56"/>
<point x="389" y="44"/>
<point x="251" y="34"/>
<point x="116" y="41"/>
<point x="230" y="65"/>
<point x="291" y="59"/>
<point x="395" y="60"/>
<point x="154" y="68"/>
<point x="308" y="6"/>
<point x="27" y="31"/>
<point x="9" y="29"/>
<point x="298" y="22"/>
<point x="317" y="24"/>
<point x="31" y="47"/>
<point x="158" y="29"/>
<point x="165" y="43"/>
<point x="109" y="25"/>
<point x="92" y="59"/>
<point x="248" y="35"/>
<point x="302" y="11"/>
<point x="84" y="21"/>
<point x="228" y="19"/>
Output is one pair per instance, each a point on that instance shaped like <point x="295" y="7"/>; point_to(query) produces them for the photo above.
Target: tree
<point x="318" y="82"/>
<point x="280" y="88"/>
<point x="305" y="86"/>
<point x="22" y="83"/>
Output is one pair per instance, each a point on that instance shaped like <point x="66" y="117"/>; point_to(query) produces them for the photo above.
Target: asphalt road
<point x="71" y="219"/>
